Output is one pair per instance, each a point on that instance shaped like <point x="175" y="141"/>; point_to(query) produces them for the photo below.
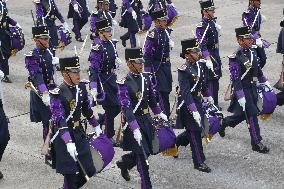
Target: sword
<point x="33" y="17"/>
<point x="144" y="153"/>
<point x="83" y="169"/>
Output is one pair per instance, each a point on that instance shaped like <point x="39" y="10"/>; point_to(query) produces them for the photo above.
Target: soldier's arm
<point x="125" y="105"/>
<point x="11" y="21"/>
<point x="95" y="59"/>
<point x="202" y="39"/>
<point x="128" y="6"/>
<point x="86" y="107"/>
<point x="152" y="97"/>
<point x="35" y="73"/>
<point x="149" y="51"/>
<point x="93" y="20"/>
<point x="58" y="118"/>
<point x="235" y="74"/>
<point x="185" y="88"/>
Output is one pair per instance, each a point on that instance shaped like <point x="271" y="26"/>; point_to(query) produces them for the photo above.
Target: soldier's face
<point x="72" y="77"/>
<point x="105" y="6"/>
<point x="42" y="43"/>
<point x="256" y="3"/>
<point x="192" y="56"/>
<point x="134" y="67"/>
<point x="161" y="24"/>
<point x="245" y="42"/>
<point x="105" y="35"/>
<point x="209" y="13"/>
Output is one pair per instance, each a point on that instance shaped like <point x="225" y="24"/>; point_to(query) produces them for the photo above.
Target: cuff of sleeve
<point x="255" y="36"/>
<point x="93" y="85"/>
<point x="206" y="53"/>
<point x="42" y="88"/>
<point x="93" y="121"/>
<point x="262" y="79"/>
<point x="66" y="137"/>
<point x="133" y="125"/>
<point x="156" y="110"/>
<point x="192" y="107"/>
<point x="240" y="94"/>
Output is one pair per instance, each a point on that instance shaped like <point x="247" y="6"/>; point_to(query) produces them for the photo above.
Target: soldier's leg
<point x="182" y="139"/>
<point x="126" y="163"/>
<point x="4" y="66"/>
<point x="196" y="147"/>
<point x="81" y="180"/>
<point x="70" y="181"/>
<point x="233" y="120"/>
<point x="165" y="102"/>
<point x="45" y="125"/>
<point x="2" y="149"/>
<point x="132" y="39"/>
<point x="216" y="92"/>
<point x="110" y="113"/>
<point x="124" y="38"/>
<point x="254" y="130"/>
<point x="76" y="29"/>
<point x="280" y="98"/>
<point x="143" y="170"/>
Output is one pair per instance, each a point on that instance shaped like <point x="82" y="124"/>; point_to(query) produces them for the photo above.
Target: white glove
<point x="267" y="86"/>
<point x="94" y="94"/>
<point x="98" y="130"/>
<point x="137" y="136"/>
<point x="76" y="7"/>
<point x="114" y="22"/>
<point x="209" y="99"/>
<point x="218" y="27"/>
<point x="172" y="44"/>
<point x="242" y="102"/>
<point x="263" y="19"/>
<point x="209" y="64"/>
<point x="163" y="116"/>
<point x="259" y="42"/>
<point x="1" y="75"/>
<point x="118" y="62"/>
<point x="134" y="15"/>
<point x="46" y="99"/>
<point x="55" y="60"/>
<point x="18" y="25"/>
<point x="71" y="149"/>
<point x="197" y="117"/>
<point x="66" y="27"/>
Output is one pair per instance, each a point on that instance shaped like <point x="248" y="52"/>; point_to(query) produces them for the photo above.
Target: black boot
<point x="1" y="175"/>
<point x="202" y="167"/>
<point x="6" y="79"/>
<point x="79" y="39"/>
<point x="261" y="148"/>
<point x="47" y="160"/>
<point x="101" y="119"/>
<point x="124" y="171"/>
<point x="222" y="132"/>
<point x="123" y="41"/>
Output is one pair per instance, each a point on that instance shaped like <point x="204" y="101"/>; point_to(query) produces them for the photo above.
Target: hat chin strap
<point x="43" y="47"/>
<point x="70" y="79"/>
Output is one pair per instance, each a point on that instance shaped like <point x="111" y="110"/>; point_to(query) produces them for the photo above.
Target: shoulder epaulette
<point x="232" y="55"/>
<point x="95" y="12"/>
<point x="36" y="1"/>
<point x="183" y="67"/>
<point x="54" y="91"/>
<point x="114" y="41"/>
<point x="202" y="60"/>
<point x="151" y="34"/>
<point x="247" y="11"/>
<point x="121" y="81"/>
<point x="30" y="53"/>
<point x="84" y="81"/>
<point x="199" y="25"/>
<point x="96" y="47"/>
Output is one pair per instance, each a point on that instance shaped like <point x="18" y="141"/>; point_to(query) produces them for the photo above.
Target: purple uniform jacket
<point x="102" y="58"/>
<point x="209" y="40"/>
<point x="238" y="64"/>
<point x="191" y="84"/>
<point x="254" y="21"/>
<point x="46" y="9"/>
<point x="39" y="65"/>
<point x="129" y="93"/>
<point x="61" y="104"/>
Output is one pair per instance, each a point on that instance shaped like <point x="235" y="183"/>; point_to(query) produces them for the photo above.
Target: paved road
<point x="234" y="164"/>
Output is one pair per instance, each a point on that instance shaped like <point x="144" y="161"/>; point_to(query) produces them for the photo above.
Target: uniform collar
<point x="134" y="74"/>
<point x="68" y="85"/>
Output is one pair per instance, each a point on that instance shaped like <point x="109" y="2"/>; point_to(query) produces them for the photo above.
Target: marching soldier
<point x="68" y="103"/>
<point x="192" y="77"/>
<point x="208" y="38"/>
<point x="112" y="8"/>
<point x="280" y="49"/>
<point x="104" y="62"/>
<point x="78" y="10"/>
<point x="5" y="40"/>
<point x="39" y="63"/>
<point x="254" y="19"/>
<point x="130" y="19"/>
<point x="4" y="132"/>
<point x="157" y="58"/>
<point x="158" y="4"/>
<point x="136" y="95"/>
<point x="245" y="72"/>
<point x="101" y="13"/>
<point x="46" y="14"/>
